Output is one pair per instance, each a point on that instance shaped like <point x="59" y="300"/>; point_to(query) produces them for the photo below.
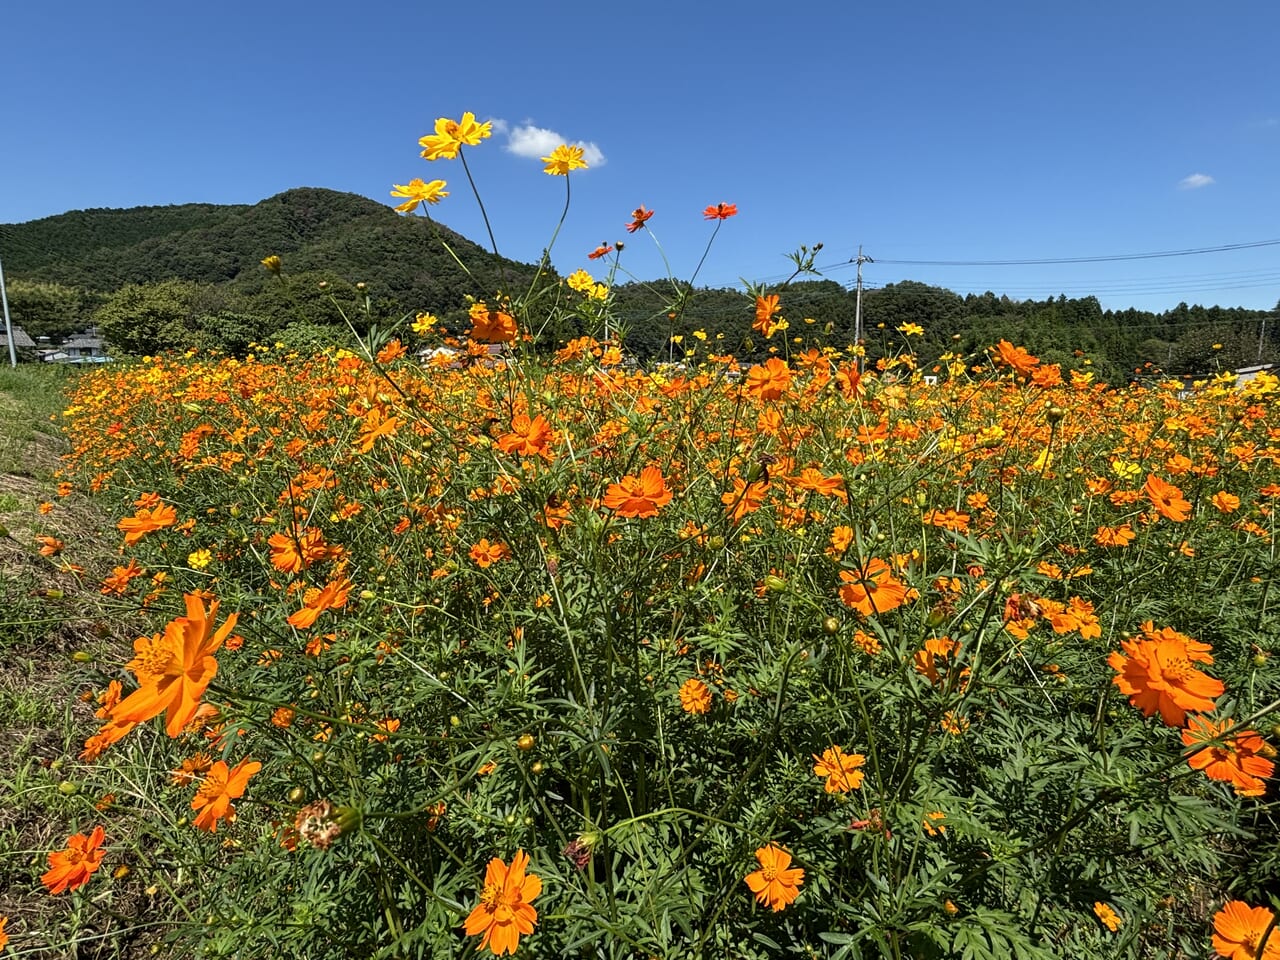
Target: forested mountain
<point x="157" y="278"/>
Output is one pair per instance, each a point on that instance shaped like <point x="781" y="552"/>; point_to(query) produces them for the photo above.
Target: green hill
<point x="173" y="277"/>
<point x="311" y="228"/>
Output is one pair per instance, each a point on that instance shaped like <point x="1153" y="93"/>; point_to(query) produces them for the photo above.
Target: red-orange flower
<point x="70" y="868"/>
<point x="1240" y="758"/>
<point x="774" y="884"/>
<point x="720" y="211"/>
<point x="1238" y="930"/>
<point x="641" y="496"/>
<point x="638" y="217"/>
<point x="145" y="520"/>
<point x="1157" y="675"/>
<point x="219" y="787"/>
<point x="601" y="251"/>
<point x="873" y="589"/>
<point x="505" y="911"/>
<point x="174" y="668"/>
<point x="1166" y="498"/>
<point x="1015" y="357"/>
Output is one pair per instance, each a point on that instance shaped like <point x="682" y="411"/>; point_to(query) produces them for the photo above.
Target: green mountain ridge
<point x="173" y="277"/>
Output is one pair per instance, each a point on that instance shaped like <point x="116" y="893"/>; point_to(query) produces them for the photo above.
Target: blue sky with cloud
<point x="927" y="131"/>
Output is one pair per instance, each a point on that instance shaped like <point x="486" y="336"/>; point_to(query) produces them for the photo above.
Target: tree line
<point x="173" y="278"/>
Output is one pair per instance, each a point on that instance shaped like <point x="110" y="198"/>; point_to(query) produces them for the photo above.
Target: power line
<point x="1195" y="251"/>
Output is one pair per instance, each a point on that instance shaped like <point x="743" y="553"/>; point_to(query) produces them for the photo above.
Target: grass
<point x="47" y="614"/>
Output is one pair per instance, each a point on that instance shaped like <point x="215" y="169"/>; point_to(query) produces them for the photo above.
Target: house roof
<point x="20" y="338"/>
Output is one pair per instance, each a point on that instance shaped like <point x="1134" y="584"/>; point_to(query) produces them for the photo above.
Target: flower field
<point x="547" y="656"/>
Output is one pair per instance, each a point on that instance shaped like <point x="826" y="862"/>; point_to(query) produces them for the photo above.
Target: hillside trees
<point x="49" y="309"/>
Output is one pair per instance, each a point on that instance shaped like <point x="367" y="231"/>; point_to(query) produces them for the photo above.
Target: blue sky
<point x="923" y="131"/>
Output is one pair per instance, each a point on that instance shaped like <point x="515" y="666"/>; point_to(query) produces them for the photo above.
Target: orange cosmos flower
<point x="695" y="697"/>
<point x="720" y="211"/>
<point x="766" y="308"/>
<point x="1225" y="502"/>
<point x="70" y="868"/>
<point x="1238" y="930"/>
<point x="315" y="602"/>
<point x="505" y="911"/>
<point x="948" y="520"/>
<point x="491" y="326"/>
<point x="840" y="769"/>
<point x="1166" y="498"/>
<point x="296" y="550"/>
<point x="528" y="438"/>
<point x="601" y="251"/>
<point x="744" y="498"/>
<point x="118" y="581"/>
<point x="1108" y="917"/>
<point x="174" y="668"/>
<point x="219" y="787"/>
<point x="638" y="218"/>
<point x="873" y="589"/>
<point x="4" y="937"/>
<point x="1015" y="357"/>
<point x="1120" y="536"/>
<point x="1157" y="675"/>
<point x="774" y="884"/>
<point x="1240" y="758"/>
<point x="641" y="496"/>
<point x="145" y="521"/>
<point x="50" y="546"/>
<point x="486" y="554"/>
<point x="770" y="381"/>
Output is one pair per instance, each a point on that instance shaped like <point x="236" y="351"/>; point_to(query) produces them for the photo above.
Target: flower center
<point x="491" y="895"/>
<point x="770" y="872"/>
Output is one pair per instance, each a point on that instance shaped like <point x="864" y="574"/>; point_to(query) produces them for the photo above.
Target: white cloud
<point x="1195" y="181"/>
<point x="527" y="140"/>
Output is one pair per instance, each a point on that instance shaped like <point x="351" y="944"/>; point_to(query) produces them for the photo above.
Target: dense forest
<point x="156" y="278"/>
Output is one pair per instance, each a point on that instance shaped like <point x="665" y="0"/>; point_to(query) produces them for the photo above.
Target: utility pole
<point x="1261" y="334"/>
<point x="857" y="314"/>
<point x="8" y="324"/>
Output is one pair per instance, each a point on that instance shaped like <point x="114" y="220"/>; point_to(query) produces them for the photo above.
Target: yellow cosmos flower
<point x="416" y="192"/>
<point x="581" y="281"/>
<point x="563" y="159"/>
<point x="450" y="136"/>
<point x="423" y="323"/>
